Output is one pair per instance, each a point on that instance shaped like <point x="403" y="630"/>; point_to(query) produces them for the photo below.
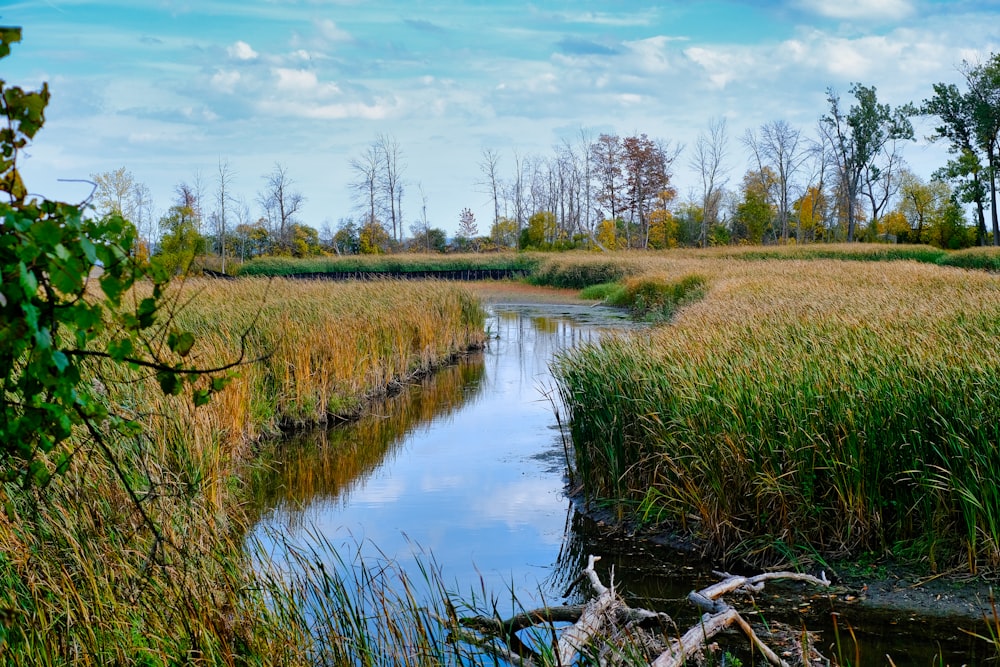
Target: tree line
<point x="845" y="180"/>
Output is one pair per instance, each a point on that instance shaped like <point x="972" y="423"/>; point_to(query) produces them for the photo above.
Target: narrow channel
<point x="469" y="467"/>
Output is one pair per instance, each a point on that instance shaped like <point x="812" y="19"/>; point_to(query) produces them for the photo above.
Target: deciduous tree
<point x="281" y="203"/>
<point x="860" y="137"/>
<point x="708" y="162"/>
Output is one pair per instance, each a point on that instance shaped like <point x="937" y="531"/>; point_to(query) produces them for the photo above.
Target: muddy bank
<point x="894" y="589"/>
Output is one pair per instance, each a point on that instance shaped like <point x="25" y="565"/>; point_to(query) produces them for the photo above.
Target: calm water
<point x="469" y="466"/>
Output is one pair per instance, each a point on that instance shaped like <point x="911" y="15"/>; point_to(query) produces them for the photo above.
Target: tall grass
<point x="823" y="405"/>
<point x="986" y="258"/>
<point x="402" y="263"/>
<point x="88" y="577"/>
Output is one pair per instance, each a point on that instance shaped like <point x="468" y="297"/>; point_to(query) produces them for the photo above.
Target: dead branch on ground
<point x="609" y="632"/>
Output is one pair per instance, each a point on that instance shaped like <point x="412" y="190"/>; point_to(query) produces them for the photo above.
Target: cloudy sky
<point x="167" y="88"/>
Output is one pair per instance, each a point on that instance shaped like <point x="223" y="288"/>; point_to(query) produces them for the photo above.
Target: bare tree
<point x="777" y="147"/>
<point x="391" y="182"/>
<point x="280" y="202"/>
<point x="606" y="154"/>
<point x="880" y="181"/>
<point x="489" y="167"/>
<point x="421" y="228"/>
<point x="366" y="170"/>
<point x="708" y="161"/>
<point x="517" y="193"/>
<point x="114" y="192"/>
<point x="587" y="193"/>
<point x="118" y="192"/>
<point x="223" y="198"/>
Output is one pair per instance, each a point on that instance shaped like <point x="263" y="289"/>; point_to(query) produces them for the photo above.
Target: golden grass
<point x="85" y="578"/>
<point x="826" y="405"/>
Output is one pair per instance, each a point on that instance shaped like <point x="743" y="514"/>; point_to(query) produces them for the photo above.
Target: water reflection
<point x="468" y="465"/>
<point x="320" y="469"/>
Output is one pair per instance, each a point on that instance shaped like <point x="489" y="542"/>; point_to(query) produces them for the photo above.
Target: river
<point x="469" y="466"/>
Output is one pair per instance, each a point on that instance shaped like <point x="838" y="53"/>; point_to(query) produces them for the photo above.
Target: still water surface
<point x="469" y="465"/>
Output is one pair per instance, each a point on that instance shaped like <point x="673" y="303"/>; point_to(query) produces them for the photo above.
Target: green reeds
<point x="397" y="263"/>
<point x="134" y="556"/>
<point x="985" y="258"/>
<point x="826" y="406"/>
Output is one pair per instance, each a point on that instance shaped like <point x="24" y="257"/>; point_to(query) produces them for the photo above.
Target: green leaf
<point x="121" y="349"/>
<point x="146" y="313"/>
<point x="29" y="283"/>
<point x="60" y="360"/>
<point x="112" y="287"/>
<point x="38" y="474"/>
<point x="8" y="36"/>
<point x="181" y="343"/>
<point x="170" y="382"/>
<point x="201" y="397"/>
<point x="220" y="383"/>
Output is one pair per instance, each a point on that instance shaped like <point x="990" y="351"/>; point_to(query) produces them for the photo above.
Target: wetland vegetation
<point x="800" y="406"/>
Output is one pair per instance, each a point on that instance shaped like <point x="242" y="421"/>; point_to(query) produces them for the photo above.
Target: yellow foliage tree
<point x="607" y="235"/>
<point x="663" y="229"/>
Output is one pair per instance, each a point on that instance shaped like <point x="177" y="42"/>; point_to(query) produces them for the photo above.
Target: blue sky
<point x="167" y="88"/>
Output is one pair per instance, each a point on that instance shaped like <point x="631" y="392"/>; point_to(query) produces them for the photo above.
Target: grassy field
<point x="90" y="577"/>
<point x="581" y="269"/>
<point x="402" y="263"/>
<point x="813" y="406"/>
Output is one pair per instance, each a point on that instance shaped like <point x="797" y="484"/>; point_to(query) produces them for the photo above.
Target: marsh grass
<point x="88" y="577"/>
<point x="820" y="405"/>
<point x="402" y="263"/>
<point x="985" y="258"/>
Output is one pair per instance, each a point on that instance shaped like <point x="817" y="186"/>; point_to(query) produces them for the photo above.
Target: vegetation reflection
<point x="331" y="462"/>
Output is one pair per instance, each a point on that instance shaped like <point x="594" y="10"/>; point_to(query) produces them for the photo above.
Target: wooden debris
<point x="605" y="629"/>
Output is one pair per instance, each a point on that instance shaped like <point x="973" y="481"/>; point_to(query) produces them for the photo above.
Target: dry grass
<point x="87" y="580"/>
<point x="820" y="405"/>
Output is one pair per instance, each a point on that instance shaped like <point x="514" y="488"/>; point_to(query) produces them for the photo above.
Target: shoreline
<point x="883" y="586"/>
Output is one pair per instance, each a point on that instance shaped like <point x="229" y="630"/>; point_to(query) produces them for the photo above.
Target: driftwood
<point x="598" y="625"/>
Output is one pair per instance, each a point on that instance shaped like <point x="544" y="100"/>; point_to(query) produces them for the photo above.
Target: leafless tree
<point x="391" y="182"/>
<point x="489" y="167"/>
<point x="708" y="161"/>
<point x="606" y="155"/>
<point x="280" y="202"/>
<point x="223" y="198"/>
<point x="118" y="192"/>
<point x="366" y="170"/>
<point x="777" y="147"/>
<point x="880" y="181"/>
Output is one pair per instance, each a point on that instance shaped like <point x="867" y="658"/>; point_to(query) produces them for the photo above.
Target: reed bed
<point x="91" y="577"/>
<point x="984" y="258"/>
<point x="859" y="252"/>
<point x="818" y="406"/>
<point x="401" y="263"/>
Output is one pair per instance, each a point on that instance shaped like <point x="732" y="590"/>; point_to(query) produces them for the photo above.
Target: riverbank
<point x="832" y="408"/>
<point x="881" y="584"/>
<point x="135" y="554"/>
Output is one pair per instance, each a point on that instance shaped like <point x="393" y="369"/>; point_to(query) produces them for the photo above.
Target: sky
<point x="169" y="88"/>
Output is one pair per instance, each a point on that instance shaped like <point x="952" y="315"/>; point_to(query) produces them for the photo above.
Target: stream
<point x="469" y="466"/>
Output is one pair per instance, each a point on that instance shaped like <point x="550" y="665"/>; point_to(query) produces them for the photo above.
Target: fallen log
<point x="598" y="627"/>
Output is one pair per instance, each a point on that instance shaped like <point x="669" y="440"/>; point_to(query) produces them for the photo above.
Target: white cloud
<point x="241" y="51"/>
<point x="225" y="80"/>
<point x="606" y="19"/>
<point x="304" y="83"/>
<point x="337" y="111"/>
<point x="651" y="55"/>
<point x="721" y="65"/>
<point x="860" y="9"/>
<point x="330" y="32"/>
